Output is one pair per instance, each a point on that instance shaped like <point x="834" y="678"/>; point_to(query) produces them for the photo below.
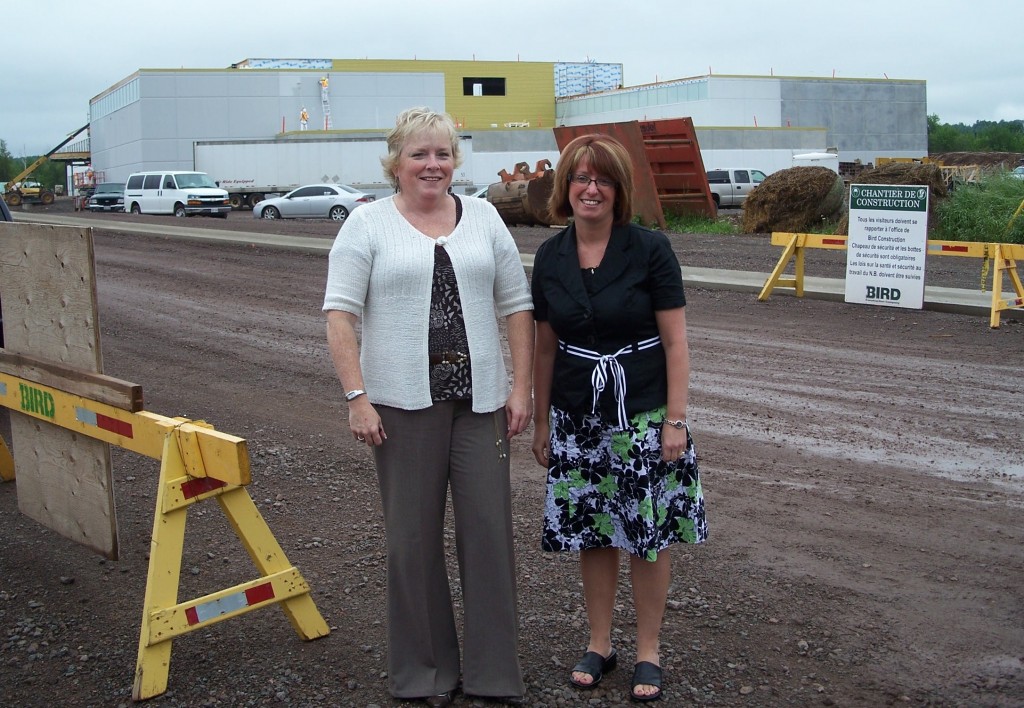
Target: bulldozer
<point x="21" y="190"/>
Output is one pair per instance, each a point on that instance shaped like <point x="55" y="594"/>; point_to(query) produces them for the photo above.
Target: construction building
<point x="153" y="118"/>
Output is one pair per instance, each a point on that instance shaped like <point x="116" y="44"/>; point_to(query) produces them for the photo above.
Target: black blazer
<point x="638" y="275"/>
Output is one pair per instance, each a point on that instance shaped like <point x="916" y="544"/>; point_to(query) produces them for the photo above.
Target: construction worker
<point x="303" y="118"/>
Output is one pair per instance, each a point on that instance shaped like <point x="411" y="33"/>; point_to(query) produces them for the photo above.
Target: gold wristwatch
<point x="679" y="424"/>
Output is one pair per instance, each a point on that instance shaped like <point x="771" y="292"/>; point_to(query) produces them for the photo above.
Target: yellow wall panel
<point x="529" y="89"/>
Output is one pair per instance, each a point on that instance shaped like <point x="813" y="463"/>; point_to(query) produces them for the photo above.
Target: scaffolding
<point x="325" y="101"/>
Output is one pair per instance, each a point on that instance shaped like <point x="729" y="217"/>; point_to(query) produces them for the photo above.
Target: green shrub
<point x="982" y="211"/>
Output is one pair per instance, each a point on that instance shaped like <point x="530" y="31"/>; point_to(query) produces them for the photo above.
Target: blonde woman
<point x="424" y="273"/>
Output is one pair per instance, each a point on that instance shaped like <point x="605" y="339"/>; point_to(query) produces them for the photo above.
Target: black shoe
<point x="441" y="700"/>
<point x="595" y="666"/>
<point x="514" y="700"/>
<point x="501" y="700"/>
<point x="645" y="674"/>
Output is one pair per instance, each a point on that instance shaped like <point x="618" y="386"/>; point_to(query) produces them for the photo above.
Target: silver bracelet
<point x="352" y="395"/>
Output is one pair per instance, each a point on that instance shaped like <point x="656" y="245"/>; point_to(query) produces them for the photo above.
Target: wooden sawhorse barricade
<point x="196" y="463"/>
<point x="1004" y="256"/>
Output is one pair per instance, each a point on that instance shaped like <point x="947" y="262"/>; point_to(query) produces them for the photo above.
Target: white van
<point x="175" y="192"/>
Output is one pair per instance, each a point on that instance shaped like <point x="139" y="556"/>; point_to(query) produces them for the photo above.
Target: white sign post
<point x="887" y="245"/>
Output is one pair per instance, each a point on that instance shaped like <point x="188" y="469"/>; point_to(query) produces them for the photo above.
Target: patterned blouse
<point x="450" y="379"/>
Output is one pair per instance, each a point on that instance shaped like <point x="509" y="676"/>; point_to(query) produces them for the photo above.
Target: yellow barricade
<point x="1003" y="256"/>
<point x="6" y="463"/>
<point x="196" y="463"/>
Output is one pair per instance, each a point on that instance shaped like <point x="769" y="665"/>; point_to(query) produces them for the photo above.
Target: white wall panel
<point x="864" y="118"/>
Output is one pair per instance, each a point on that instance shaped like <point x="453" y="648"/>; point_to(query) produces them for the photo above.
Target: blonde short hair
<point x="605" y="155"/>
<point x="416" y="121"/>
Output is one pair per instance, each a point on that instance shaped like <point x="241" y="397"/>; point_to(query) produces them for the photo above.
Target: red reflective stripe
<point x="957" y="249"/>
<point x="114" y="425"/>
<point x="191" y="616"/>
<point x="200" y="485"/>
<point x="260" y="593"/>
<point x="834" y="241"/>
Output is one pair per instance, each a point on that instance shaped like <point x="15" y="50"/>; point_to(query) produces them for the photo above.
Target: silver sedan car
<point x="314" y="201"/>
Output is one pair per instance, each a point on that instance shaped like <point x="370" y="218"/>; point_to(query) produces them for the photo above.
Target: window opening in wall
<point x="480" y="86"/>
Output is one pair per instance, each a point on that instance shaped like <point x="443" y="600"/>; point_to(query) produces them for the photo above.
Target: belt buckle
<point x="448" y="357"/>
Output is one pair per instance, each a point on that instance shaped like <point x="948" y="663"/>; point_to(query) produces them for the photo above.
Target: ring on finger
<point x="360" y="438"/>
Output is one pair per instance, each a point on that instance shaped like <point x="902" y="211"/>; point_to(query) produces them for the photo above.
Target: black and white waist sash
<point x="608" y="366"/>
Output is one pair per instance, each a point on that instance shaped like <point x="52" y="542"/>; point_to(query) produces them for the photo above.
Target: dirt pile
<point x="992" y="160"/>
<point x="793" y="200"/>
<point x="906" y="173"/>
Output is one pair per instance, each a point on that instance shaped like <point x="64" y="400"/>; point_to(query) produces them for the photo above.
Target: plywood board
<point x="96" y="387"/>
<point x="48" y="294"/>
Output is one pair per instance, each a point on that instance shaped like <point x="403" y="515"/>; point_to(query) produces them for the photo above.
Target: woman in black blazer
<point x="611" y="371"/>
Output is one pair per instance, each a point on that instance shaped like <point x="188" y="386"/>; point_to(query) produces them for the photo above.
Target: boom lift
<point x="19" y="189"/>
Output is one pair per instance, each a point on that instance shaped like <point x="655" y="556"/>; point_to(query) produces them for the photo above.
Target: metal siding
<point x="864" y="116"/>
<point x="529" y="89"/>
<point x="367" y="94"/>
<point x="529" y="95"/>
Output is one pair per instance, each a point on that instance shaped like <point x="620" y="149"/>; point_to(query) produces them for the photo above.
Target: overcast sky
<point x="59" y="54"/>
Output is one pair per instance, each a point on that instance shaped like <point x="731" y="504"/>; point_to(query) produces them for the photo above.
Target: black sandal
<point x="645" y="674"/>
<point x="595" y="666"/>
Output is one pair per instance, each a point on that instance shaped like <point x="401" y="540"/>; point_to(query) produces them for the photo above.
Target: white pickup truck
<point x="731" y="185"/>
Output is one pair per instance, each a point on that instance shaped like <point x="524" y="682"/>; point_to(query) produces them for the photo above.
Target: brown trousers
<point x="426" y="452"/>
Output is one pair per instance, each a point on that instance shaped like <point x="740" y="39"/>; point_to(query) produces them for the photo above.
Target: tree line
<point x="48" y="173"/>
<point x="983" y="136"/>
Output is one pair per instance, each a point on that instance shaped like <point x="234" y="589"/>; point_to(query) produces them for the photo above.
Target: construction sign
<point x="887" y="245"/>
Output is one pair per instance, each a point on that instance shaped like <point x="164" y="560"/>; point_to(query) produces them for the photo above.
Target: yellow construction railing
<point x="1002" y="256"/>
<point x="196" y="463"/>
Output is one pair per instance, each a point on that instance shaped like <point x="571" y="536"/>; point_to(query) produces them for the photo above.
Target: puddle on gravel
<point x="960" y="463"/>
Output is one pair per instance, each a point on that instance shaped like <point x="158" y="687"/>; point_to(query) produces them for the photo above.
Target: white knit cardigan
<point x="381" y="270"/>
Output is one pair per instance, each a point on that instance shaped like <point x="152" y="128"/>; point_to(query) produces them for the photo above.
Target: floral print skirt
<point x="609" y="487"/>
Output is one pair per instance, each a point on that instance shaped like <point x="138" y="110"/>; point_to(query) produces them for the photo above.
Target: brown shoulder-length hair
<point x="605" y="156"/>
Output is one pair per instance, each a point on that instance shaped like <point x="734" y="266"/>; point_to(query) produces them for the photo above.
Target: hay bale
<point x="902" y="173"/>
<point x="793" y="200"/>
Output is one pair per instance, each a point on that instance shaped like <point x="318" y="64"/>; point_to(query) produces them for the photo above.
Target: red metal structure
<point x="669" y="171"/>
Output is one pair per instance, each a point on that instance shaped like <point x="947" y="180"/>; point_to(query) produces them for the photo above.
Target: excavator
<point x="20" y="189"/>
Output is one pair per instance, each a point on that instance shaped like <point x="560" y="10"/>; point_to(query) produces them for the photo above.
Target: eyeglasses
<point x="585" y="181"/>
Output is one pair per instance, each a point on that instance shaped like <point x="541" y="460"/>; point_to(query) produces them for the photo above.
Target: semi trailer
<point x="250" y="170"/>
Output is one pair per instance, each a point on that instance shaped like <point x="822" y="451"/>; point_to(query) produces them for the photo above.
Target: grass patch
<point x="982" y="211"/>
<point x="697" y="224"/>
<point x="825" y="227"/>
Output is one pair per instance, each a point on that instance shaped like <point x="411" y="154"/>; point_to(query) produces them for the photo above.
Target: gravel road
<point x="863" y="470"/>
